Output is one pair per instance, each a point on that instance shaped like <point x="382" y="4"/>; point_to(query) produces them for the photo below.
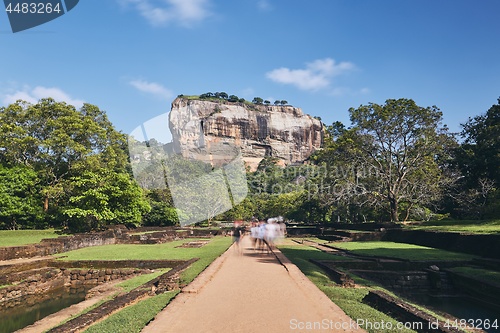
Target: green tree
<point x="257" y="100"/>
<point x="54" y="139"/>
<point x="478" y="159"/>
<point x="18" y="198"/>
<point x="481" y="147"/>
<point x="102" y="197"/>
<point x="233" y="99"/>
<point x="404" y="143"/>
<point x="70" y="151"/>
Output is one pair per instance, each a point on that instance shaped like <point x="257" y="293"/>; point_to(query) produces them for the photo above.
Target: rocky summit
<point x="217" y="126"/>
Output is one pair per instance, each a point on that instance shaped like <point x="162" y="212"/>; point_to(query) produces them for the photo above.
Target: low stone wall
<point x="402" y="277"/>
<point x="370" y="226"/>
<point x="337" y="276"/>
<point x="366" y="263"/>
<point x="36" y="280"/>
<point x="402" y="282"/>
<point x="57" y="245"/>
<point x="37" y="284"/>
<point x="406" y="313"/>
<point x="117" y="264"/>
<point x="487" y="245"/>
<point x="482" y="290"/>
<point x="79" y="323"/>
<point x="6" y="271"/>
<point x="115" y="236"/>
<point x="79" y="277"/>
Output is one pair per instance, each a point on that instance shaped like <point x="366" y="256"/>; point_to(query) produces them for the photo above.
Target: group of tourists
<point x="264" y="234"/>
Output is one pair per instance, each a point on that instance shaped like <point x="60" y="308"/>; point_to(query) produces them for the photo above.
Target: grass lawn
<point x="145" y="251"/>
<point x="348" y="299"/>
<point x="471" y="226"/>
<point x="314" y="239"/>
<point x="400" y="251"/>
<point x="24" y="237"/>
<point x="133" y="318"/>
<point x="492" y="277"/>
<point x="137" y="281"/>
<point x="207" y="253"/>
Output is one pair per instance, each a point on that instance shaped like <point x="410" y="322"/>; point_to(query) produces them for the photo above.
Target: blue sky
<point x="132" y="57"/>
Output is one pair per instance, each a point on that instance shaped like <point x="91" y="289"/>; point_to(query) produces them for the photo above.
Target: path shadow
<point x="262" y="257"/>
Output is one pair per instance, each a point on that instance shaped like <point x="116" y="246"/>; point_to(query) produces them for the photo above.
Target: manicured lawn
<point x="348" y="299"/>
<point x="470" y="226"/>
<point x="207" y="254"/>
<point x="24" y="237"/>
<point x="400" y="251"/>
<point x="145" y="252"/>
<point x="141" y="279"/>
<point x="313" y="239"/>
<point x="485" y="275"/>
<point x="133" y="318"/>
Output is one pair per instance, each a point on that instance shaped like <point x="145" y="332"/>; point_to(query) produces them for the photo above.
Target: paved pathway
<point x="251" y="292"/>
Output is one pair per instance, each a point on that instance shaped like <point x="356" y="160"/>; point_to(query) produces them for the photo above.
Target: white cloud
<point x="317" y="74"/>
<point x="264" y="5"/>
<point x="161" y="12"/>
<point x="152" y="88"/>
<point x="34" y="95"/>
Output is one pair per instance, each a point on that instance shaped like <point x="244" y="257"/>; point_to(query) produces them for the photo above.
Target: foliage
<point x="75" y="166"/>
<point x="257" y="100"/>
<point x="404" y="143"/>
<point x="65" y="167"/>
<point x="101" y="198"/>
<point x="478" y="159"/>
<point x="162" y="214"/>
<point x="394" y="157"/>
<point x="18" y="198"/>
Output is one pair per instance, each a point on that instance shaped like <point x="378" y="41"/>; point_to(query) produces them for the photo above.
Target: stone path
<point x="251" y="292"/>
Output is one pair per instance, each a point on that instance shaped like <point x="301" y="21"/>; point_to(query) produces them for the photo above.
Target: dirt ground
<point x="251" y="292"/>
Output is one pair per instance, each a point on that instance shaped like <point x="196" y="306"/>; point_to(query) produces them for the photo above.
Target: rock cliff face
<point x="284" y="132"/>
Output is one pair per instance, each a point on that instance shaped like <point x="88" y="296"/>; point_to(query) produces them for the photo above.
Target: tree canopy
<point x="63" y="167"/>
<point x="74" y="155"/>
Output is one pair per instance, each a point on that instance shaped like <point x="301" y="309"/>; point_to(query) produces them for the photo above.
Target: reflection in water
<point x="23" y="315"/>
<point x="461" y="307"/>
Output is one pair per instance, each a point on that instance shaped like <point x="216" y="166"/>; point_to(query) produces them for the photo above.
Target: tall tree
<point x="72" y="153"/>
<point x="478" y="158"/>
<point x="481" y="148"/>
<point x="404" y="142"/>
